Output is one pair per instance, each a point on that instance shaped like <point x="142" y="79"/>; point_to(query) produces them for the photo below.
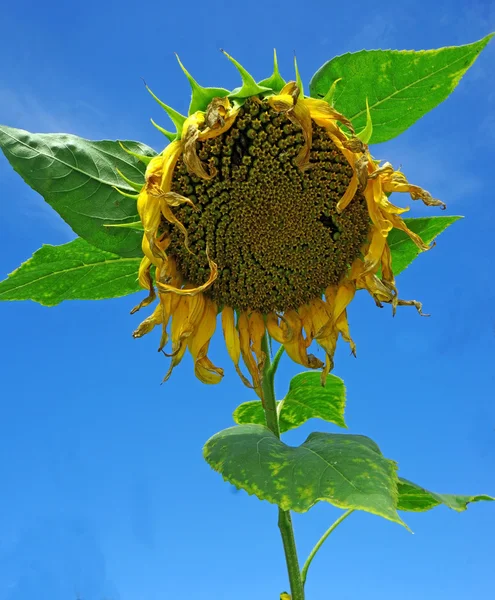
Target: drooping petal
<point x="396" y="181"/>
<point x="232" y="341"/>
<point x="296" y="347"/>
<point x="256" y="326"/>
<point x="398" y="223"/>
<point x="247" y="356"/>
<point x="199" y="342"/>
<point x="190" y="155"/>
<point x="185" y="320"/>
<point x="192" y="291"/>
<point x="343" y="327"/>
<point x="375" y="251"/>
<point x="280" y="335"/>
<point x="289" y="102"/>
<point x="156" y="318"/>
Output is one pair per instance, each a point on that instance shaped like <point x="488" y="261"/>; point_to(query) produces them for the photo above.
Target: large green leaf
<point x="349" y="471"/>
<point x="413" y="497"/>
<point x="401" y="86"/>
<point x="73" y="271"/>
<point x="75" y="176"/>
<point x="306" y="399"/>
<point x="404" y="250"/>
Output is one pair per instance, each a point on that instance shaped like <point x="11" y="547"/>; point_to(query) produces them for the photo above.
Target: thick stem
<point x="319" y="544"/>
<point x="284" y="518"/>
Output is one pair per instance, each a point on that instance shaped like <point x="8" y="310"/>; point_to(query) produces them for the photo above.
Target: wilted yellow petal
<point x="245" y="343"/>
<point x="156" y="318"/>
<point x="192" y="291"/>
<point x="190" y="156"/>
<point x="199" y="342"/>
<point x="275" y="330"/>
<point x="256" y="326"/>
<point x="375" y="251"/>
<point x="296" y="348"/>
<point x="343" y="328"/>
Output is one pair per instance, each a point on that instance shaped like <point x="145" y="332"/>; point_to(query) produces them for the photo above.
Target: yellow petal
<point x="300" y="116"/>
<point x="286" y="98"/>
<point x="386" y="264"/>
<point x="398" y="223"/>
<point x="305" y="313"/>
<point x="156" y="318"/>
<point x="321" y="110"/>
<point x="231" y="334"/>
<point x="171" y="218"/>
<point x="256" y="326"/>
<point x="219" y="118"/>
<point x="275" y="330"/>
<point x="343" y="328"/>
<point x="170" y="156"/>
<point x="199" y="342"/>
<point x="147" y="283"/>
<point x="190" y="156"/>
<point x="329" y="344"/>
<point x="344" y="296"/>
<point x="245" y="343"/>
<point x="185" y="319"/>
<point x="281" y="102"/>
<point x="297" y="347"/>
<point x="321" y="315"/>
<point x="375" y="251"/>
<point x="396" y="182"/>
<point x="232" y="341"/>
<point x="373" y="194"/>
<point x="192" y="291"/>
<point x="174" y="199"/>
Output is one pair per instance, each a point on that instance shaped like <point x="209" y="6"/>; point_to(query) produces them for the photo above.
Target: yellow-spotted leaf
<point x="413" y="497"/>
<point x="404" y="250"/>
<point x="73" y="271"/>
<point x="306" y="399"/>
<point x="400" y="85"/>
<point x="348" y="471"/>
<point x="77" y="177"/>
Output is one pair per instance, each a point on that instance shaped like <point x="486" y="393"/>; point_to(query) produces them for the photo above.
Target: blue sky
<point x="105" y="495"/>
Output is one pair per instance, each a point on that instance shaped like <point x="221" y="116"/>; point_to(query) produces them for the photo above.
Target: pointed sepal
<point x="177" y="119"/>
<point x="141" y="157"/>
<point x="367" y="132"/>
<point x="201" y="96"/>
<point x="275" y="82"/>
<point x="170" y="135"/>
<point x="125" y="194"/>
<point x="134" y="185"/>
<point x="249" y="86"/>
<point x="298" y="79"/>
<point x="134" y="225"/>
<point x="329" y="96"/>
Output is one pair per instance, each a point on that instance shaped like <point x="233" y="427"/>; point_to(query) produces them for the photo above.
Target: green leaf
<point x="349" y="471"/>
<point x="76" y="177"/>
<point x="306" y="399"/>
<point x="404" y="250"/>
<point x="73" y="271"/>
<point x="413" y="497"/>
<point x="401" y="86"/>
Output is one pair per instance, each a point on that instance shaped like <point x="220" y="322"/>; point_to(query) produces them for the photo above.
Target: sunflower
<point x="265" y="207"/>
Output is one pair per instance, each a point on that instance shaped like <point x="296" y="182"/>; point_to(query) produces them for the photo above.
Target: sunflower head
<point x="268" y="208"/>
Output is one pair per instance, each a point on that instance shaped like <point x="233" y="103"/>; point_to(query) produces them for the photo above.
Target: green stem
<point x="284" y="517"/>
<point x="319" y="544"/>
